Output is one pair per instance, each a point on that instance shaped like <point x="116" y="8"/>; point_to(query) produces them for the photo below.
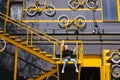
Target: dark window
<point x="110" y="10"/>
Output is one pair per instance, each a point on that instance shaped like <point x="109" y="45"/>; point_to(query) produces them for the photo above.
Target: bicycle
<point x="115" y="71"/>
<point x="75" y="4"/>
<point x="115" y="57"/>
<point x="65" y="22"/>
<point x="2" y="44"/>
<point x="52" y="77"/>
<point x="38" y="6"/>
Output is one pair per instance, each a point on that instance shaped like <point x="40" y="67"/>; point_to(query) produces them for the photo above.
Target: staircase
<point x="24" y="44"/>
<point x="29" y="48"/>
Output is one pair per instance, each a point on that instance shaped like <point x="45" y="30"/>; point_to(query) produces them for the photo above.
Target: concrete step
<point x="56" y="59"/>
<point x="30" y="46"/>
<point x="36" y="49"/>
<point x="42" y="52"/>
<point x="23" y="43"/>
<point x="48" y="55"/>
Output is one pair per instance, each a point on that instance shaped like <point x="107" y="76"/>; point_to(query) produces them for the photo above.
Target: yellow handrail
<point x="26" y="27"/>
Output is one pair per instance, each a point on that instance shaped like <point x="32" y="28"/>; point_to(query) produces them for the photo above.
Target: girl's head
<point x="65" y="47"/>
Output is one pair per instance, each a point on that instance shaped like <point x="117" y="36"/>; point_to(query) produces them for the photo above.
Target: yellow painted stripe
<point x="68" y="9"/>
<point x="54" y="21"/>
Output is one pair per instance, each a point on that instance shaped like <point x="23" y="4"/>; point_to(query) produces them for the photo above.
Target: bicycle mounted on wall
<point x="75" y="4"/>
<point x="78" y="22"/>
<point x="39" y="6"/>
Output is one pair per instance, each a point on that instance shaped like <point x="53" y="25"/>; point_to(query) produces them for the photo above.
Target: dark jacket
<point x="67" y="53"/>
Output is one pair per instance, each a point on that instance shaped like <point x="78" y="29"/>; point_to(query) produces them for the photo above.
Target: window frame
<point x="117" y="12"/>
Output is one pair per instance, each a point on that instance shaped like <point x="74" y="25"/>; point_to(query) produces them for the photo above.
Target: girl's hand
<point x="62" y="42"/>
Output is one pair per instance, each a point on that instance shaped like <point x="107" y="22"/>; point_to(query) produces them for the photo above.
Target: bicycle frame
<point x="75" y="4"/>
<point x="38" y="6"/>
<point x="66" y="22"/>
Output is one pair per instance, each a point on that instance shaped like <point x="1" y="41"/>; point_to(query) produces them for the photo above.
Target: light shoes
<point x="62" y="71"/>
<point x="76" y="70"/>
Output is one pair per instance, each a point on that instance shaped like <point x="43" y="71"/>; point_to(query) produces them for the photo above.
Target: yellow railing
<point x="31" y="32"/>
<point x="79" y="48"/>
<point x="118" y="9"/>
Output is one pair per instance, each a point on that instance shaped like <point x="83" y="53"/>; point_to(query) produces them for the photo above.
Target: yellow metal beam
<point x="22" y="10"/>
<point x="102" y="73"/>
<point x="16" y="63"/>
<point x="58" y="73"/>
<point x="7" y="13"/>
<point x="54" y="50"/>
<point x="108" y="71"/>
<point x="79" y="73"/>
<point x="118" y="9"/>
<point x="47" y="74"/>
<point x="77" y="56"/>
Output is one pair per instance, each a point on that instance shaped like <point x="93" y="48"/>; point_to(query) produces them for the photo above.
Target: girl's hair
<point x="64" y="47"/>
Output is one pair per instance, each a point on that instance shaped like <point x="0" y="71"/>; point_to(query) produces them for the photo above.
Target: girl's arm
<point x="62" y="45"/>
<point x="74" y="49"/>
<point x="62" y="42"/>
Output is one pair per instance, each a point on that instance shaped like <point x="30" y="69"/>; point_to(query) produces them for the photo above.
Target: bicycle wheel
<point x="116" y="71"/>
<point x="63" y="21"/>
<point x="80" y="21"/>
<point x="73" y="4"/>
<point x="92" y="4"/>
<point x="2" y="44"/>
<point x="49" y="10"/>
<point x="31" y="10"/>
<point x="115" y="57"/>
<point x="52" y="77"/>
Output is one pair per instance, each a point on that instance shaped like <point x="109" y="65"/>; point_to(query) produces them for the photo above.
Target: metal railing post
<point x="16" y="63"/>
<point x="7" y="13"/>
<point x="31" y="38"/>
<point x="77" y="51"/>
<point x="54" y="50"/>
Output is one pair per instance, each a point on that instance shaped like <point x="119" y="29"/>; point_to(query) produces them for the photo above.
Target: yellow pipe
<point x="77" y="51"/>
<point x="81" y="52"/>
<point x="54" y="50"/>
<point x="31" y="38"/>
<point x="16" y="63"/>
<point x="61" y="51"/>
<point x="79" y="73"/>
<point x="27" y="37"/>
<point x="7" y="13"/>
<point x="108" y="71"/>
<point x="58" y="73"/>
<point x="22" y="10"/>
<point x="102" y="73"/>
<point x="118" y="9"/>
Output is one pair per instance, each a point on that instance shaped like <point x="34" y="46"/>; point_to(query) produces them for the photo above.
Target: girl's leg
<point x="75" y="63"/>
<point x="65" y="62"/>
